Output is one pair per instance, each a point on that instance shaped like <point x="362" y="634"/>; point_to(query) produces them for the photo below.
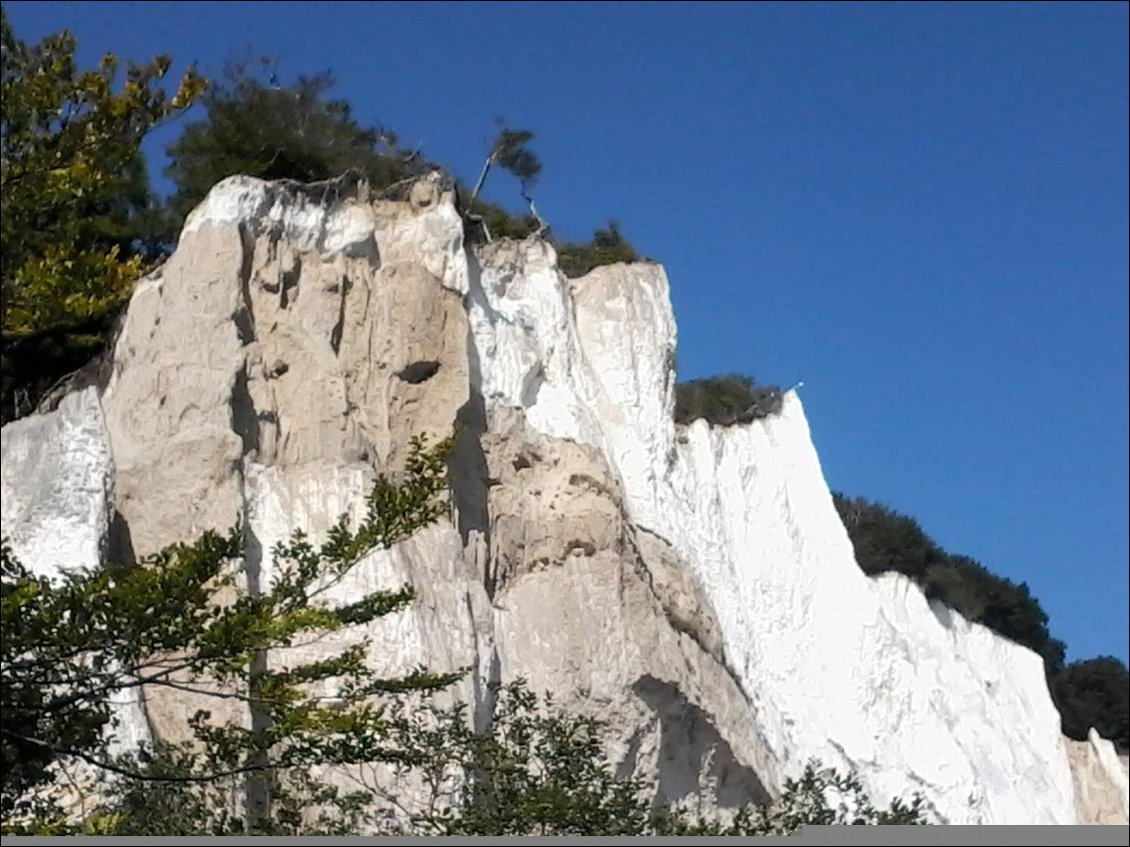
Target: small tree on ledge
<point x="510" y="151"/>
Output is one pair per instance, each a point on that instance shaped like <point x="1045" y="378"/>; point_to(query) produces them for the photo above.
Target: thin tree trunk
<point x="542" y="225"/>
<point x="483" y="176"/>
<point x="258" y="793"/>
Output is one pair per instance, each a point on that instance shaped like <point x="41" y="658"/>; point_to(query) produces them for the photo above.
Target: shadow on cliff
<point x="470" y="484"/>
<point x="692" y="753"/>
<point x="470" y="475"/>
<point x="469" y="471"/>
<point x="119" y="541"/>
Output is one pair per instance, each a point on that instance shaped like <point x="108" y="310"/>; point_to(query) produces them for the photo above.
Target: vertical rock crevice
<point x="244" y="316"/>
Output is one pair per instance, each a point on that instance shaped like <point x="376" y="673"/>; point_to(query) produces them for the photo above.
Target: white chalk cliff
<point x="692" y="585"/>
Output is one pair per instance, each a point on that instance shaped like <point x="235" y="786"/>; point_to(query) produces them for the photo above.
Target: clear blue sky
<point x="918" y="209"/>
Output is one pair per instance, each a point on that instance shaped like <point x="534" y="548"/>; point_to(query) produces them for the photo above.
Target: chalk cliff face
<point x="693" y="586"/>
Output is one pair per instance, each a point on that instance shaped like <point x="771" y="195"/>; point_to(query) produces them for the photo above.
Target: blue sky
<point x="920" y="210"/>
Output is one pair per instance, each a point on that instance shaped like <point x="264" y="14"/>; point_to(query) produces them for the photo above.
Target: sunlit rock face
<point x="692" y="586"/>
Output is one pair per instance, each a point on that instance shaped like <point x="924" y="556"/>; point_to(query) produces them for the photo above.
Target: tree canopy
<point x="261" y="128"/>
<point x="1095" y="693"/>
<point x="608" y="246"/>
<point x="81" y="223"/>
<point x="75" y="202"/>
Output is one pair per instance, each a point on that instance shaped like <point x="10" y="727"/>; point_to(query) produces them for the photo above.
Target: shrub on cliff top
<point x="725" y="400"/>
<point x="607" y="247"/>
<point x="885" y="540"/>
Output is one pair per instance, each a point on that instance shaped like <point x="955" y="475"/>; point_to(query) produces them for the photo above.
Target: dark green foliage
<point x="886" y="540"/>
<point x="487" y="221"/>
<point x="1092" y="693"/>
<point x="512" y="154"/>
<point x="510" y="151"/>
<point x="541" y="771"/>
<point x="265" y="130"/>
<point x="725" y="400"/>
<point x="608" y="246"/>
<point x="536" y="771"/>
<point x="1095" y="693"/>
<point x="298" y="132"/>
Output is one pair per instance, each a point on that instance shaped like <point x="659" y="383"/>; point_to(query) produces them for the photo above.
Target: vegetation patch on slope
<point x="725" y="400"/>
<point x="607" y="247"/>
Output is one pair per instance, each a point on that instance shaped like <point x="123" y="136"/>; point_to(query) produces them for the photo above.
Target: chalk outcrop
<point x="693" y="586"/>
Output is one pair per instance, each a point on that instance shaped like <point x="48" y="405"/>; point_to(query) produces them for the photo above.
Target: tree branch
<point x="61" y="750"/>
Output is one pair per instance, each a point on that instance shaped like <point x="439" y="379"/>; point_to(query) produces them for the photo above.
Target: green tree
<point x="169" y="801"/>
<point x="256" y="126"/>
<point x="541" y="770"/>
<point x="180" y="620"/>
<point x="1095" y="693"/>
<point x="886" y="540"/>
<point x="511" y="152"/>
<point x="75" y="203"/>
<point x="534" y="769"/>
<point x="260" y="128"/>
<point x="537" y="769"/>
